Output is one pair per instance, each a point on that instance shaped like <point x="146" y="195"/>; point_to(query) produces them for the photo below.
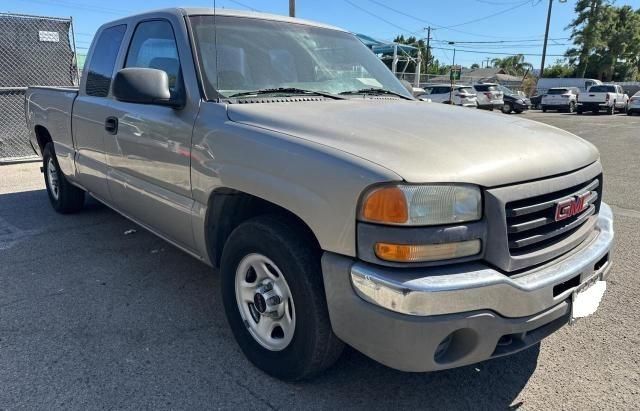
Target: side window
<point x="154" y="46"/>
<point x="103" y="61"/>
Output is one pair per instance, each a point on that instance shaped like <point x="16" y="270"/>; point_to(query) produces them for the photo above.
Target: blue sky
<point x="519" y="24"/>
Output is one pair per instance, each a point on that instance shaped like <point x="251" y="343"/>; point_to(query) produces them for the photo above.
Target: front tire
<point x="506" y="108"/>
<point x="273" y="295"/>
<point x="65" y="198"/>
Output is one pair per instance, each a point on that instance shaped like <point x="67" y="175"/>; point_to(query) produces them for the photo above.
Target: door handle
<point x="111" y="125"/>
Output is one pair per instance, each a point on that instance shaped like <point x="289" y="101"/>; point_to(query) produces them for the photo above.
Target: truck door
<point x="149" y="155"/>
<point x="90" y="110"/>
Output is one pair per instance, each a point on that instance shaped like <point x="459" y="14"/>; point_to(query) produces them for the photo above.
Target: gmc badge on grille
<point x="572" y="206"/>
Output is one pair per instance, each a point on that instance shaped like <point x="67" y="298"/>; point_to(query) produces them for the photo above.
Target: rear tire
<point x="65" y="198"/>
<point x="572" y="107"/>
<point x="611" y="109"/>
<point x="290" y="352"/>
<point x="544" y="109"/>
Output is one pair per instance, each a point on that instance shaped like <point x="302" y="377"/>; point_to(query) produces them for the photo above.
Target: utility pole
<point x="292" y="8"/>
<point x="451" y="73"/>
<point x="428" y="49"/>
<point x="546" y="37"/>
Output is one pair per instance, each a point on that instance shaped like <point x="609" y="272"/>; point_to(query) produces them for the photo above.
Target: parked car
<point x="634" y="104"/>
<point x="514" y="101"/>
<point x="560" y="99"/>
<point x="582" y="84"/>
<point x="459" y="95"/>
<point x="489" y="96"/>
<point x="536" y="101"/>
<point x="337" y="207"/>
<point x="608" y="97"/>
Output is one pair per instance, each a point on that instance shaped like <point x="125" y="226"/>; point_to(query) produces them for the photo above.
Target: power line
<point x="498" y="54"/>
<point x="489" y="16"/>
<point x="451" y="28"/>
<point x="502" y="41"/>
<point x="243" y="5"/>
<point x="362" y="9"/>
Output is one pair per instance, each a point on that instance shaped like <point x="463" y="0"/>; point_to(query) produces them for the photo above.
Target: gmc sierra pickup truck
<point x="337" y="207"/>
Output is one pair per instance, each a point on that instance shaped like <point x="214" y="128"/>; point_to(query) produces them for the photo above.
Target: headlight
<point x="417" y="205"/>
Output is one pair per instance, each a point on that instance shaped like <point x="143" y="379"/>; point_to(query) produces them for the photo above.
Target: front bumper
<point x="401" y="317"/>
<point x="519" y="106"/>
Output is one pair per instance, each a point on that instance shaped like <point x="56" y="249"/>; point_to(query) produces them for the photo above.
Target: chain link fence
<point x="34" y="51"/>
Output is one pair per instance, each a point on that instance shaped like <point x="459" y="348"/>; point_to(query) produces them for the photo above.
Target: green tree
<point x="560" y="69"/>
<point x="587" y="32"/>
<point x="475" y="66"/>
<point x="515" y="65"/>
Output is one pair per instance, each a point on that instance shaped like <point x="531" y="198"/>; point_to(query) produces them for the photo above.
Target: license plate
<point x="587" y="296"/>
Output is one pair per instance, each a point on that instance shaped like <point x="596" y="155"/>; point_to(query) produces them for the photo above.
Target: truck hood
<point x="427" y="142"/>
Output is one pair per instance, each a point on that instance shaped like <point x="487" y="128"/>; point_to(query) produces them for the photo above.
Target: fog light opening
<point x="455" y="346"/>
<point x="443" y="347"/>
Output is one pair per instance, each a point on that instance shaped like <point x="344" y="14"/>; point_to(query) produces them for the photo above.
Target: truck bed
<point x="51" y="106"/>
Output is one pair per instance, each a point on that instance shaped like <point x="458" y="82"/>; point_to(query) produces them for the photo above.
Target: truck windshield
<point x="245" y="54"/>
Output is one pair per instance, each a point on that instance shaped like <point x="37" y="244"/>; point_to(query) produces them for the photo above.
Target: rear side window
<point x="154" y="46"/>
<point x="602" y="89"/>
<point x="103" y="61"/>
<point x="485" y="87"/>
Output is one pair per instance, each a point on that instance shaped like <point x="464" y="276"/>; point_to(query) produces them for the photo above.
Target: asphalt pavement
<point x="96" y="316"/>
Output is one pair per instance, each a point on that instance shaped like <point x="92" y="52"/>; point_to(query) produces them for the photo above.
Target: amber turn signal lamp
<point x="404" y="253"/>
<point x="386" y="205"/>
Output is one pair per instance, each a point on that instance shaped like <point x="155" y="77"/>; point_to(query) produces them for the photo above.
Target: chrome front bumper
<point x="475" y="286"/>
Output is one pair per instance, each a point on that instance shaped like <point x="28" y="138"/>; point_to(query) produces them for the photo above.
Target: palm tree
<point x="515" y="65"/>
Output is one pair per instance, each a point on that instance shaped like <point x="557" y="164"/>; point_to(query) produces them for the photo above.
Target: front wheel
<point x="273" y="295"/>
<point x="65" y="198"/>
<point x="507" y="109"/>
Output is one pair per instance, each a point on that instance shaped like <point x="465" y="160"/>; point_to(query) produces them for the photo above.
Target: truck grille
<point x="531" y="222"/>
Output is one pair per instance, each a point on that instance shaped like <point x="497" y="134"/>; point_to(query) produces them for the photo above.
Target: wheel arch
<point x="43" y="137"/>
<point x="227" y="208"/>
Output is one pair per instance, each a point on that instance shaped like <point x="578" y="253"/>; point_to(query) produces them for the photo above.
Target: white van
<point x="581" y="84"/>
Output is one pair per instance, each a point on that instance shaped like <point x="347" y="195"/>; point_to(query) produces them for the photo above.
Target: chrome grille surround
<point x="522" y="222"/>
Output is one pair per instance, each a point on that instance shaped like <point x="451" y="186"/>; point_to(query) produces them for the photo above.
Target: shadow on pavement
<point x="112" y="320"/>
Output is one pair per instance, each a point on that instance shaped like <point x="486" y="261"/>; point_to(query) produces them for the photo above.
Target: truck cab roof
<point x="204" y="11"/>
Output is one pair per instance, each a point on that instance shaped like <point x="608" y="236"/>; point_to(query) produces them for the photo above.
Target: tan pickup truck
<point x="337" y="207"/>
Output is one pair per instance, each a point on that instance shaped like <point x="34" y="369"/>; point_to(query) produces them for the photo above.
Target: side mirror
<point x="143" y="86"/>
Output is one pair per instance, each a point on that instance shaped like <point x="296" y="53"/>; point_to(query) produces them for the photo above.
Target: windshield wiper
<point x="375" y="91"/>
<point x="286" y="90"/>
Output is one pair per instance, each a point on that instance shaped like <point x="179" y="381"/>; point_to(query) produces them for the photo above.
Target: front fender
<point x="320" y="185"/>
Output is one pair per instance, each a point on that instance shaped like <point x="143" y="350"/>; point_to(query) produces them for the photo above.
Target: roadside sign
<point x="455" y="72"/>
